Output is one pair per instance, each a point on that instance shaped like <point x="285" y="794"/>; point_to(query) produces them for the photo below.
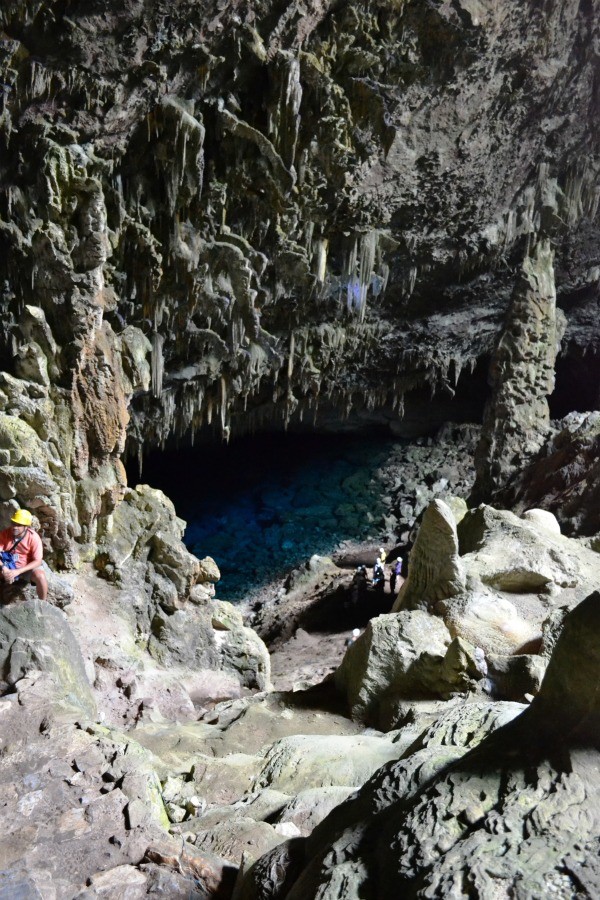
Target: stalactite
<point x="308" y="237"/>
<point x="284" y="118"/>
<point x="321" y="259"/>
<point x="510" y="228"/>
<point x="358" y="271"/>
<point x="385" y="269"/>
<point x="410" y="281"/>
<point x="349" y="276"/>
<point x="157" y="364"/>
<point x="366" y="261"/>
<point x="224" y="422"/>
<point x="290" y="366"/>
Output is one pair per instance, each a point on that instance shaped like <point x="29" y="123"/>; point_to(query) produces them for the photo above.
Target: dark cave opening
<point x="263" y="504"/>
<point x="577" y="383"/>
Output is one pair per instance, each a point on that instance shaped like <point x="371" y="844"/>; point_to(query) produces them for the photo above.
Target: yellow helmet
<point x="22" y="517"/>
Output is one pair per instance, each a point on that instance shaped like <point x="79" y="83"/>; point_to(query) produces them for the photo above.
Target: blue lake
<point x="262" y="505"/>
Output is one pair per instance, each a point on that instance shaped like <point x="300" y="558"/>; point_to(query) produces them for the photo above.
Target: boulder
<point x="299" y="762"/>
<point x="184" y="639"/>
<point x="518" y="572"/>
<point x="513" y="677"/>
<point x="35" y="637"/>
<point x="230" y="838"/>
<point x="569" y="698"/>
<point x="308" y="808"/>
<point x="243" y="652"/>
<point x="172" y="869"/>
<point x="397" y="655"/>
<point x="542" y="519"/>
<point x="494" y="622"/>
<point x="145" y="530"/>
<point x="515" y="555"/>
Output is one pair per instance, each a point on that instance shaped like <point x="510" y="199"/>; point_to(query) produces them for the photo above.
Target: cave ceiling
<point x="286" y="208"/>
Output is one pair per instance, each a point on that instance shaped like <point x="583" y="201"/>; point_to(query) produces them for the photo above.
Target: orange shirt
<point x="27" y="550"/>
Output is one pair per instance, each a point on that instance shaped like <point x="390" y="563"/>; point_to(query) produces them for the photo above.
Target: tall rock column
<point x="517" y="416"/>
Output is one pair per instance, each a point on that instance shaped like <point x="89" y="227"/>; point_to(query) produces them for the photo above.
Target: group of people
<point x="379" y="574"/>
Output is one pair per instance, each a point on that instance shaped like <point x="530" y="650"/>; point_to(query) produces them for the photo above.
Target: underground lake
<point x="262" y="505"/>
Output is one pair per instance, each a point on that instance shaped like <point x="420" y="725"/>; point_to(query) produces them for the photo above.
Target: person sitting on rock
<point x="22" y="553"/>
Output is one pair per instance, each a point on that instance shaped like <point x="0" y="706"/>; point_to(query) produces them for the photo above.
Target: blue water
<point x="262" y="505"/>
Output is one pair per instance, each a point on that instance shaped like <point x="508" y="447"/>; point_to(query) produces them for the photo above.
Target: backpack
<point x="8" y="559"/>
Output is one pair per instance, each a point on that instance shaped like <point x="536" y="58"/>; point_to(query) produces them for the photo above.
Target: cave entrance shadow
<point x="341" y="610"/>
<point x="334" y="612"/>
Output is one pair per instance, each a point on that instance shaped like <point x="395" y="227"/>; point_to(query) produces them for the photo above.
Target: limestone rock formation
<point x="397" y="655"/>
<point x="497" y="813"/>
<point x="35" y="640"/>
<point x="489" y="632"/>
<point x="222" y="218"/>
<point x="517" y="417"/>
<point x="519" y="572"/>
<point x="436" y="571"/>
<point x="217" y="217"/>
<point x="565" y="476"/>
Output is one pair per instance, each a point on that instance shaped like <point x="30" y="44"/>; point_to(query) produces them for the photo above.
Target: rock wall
<point x="214" y="214"/>
<point x="564" y="477"/>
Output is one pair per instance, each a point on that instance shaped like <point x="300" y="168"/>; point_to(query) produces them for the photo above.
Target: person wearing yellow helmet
<point x="21" y="553"/>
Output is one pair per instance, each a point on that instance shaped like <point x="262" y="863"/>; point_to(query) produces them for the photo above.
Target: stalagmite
<point x="517" y="417"/>
<point x="224" y="417"/>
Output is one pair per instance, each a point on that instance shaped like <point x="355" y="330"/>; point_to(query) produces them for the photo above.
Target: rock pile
<point x="564" y="477"/>
<point x="416" y="473"/>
